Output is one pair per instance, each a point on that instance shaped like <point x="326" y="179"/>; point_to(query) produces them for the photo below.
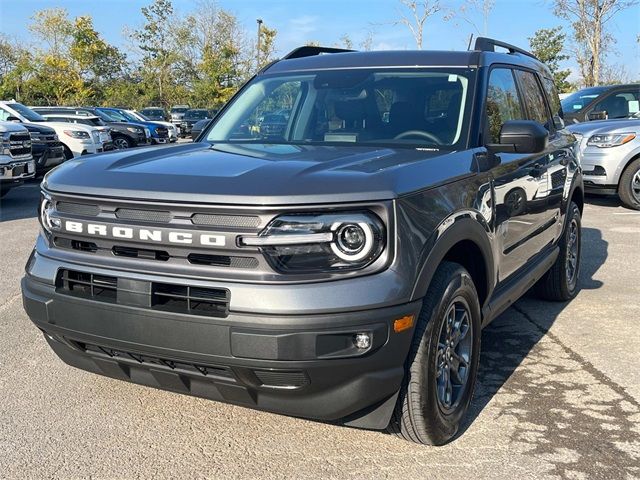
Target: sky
<point x="325" y="21"/>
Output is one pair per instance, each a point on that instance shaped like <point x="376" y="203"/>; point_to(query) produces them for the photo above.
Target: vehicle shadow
<point x="603" y="200"/>
<point x="554" y="403"/>
<point x="21" y="202"/>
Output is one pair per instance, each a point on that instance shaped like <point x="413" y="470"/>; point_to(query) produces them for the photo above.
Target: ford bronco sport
<point x="340" y="270"/>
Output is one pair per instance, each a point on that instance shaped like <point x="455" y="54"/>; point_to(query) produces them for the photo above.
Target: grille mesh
<point x="78" y="209"/>
<point x="144" y="215"/>
<point x="237" y="221"/>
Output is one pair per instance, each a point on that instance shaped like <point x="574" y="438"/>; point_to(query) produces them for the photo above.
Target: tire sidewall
<point x="572" y="214"/>
<point x="447" y="424"/>
<point x="626" y="189"/>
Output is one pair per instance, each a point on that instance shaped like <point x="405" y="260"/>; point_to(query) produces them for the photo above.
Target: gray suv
<point x="340" y="268"/>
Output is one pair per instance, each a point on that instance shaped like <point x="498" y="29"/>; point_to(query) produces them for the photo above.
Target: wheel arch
<point x="627" y="164"/>
<point x="466" y="241"/>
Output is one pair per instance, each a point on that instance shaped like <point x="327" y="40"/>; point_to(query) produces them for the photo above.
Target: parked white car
<point x="87" y="120"/>
<point x="77" y="139"/>
<point x="173" y="130"/>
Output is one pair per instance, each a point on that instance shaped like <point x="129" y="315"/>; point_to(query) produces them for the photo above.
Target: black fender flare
<point x="453" y="230"/>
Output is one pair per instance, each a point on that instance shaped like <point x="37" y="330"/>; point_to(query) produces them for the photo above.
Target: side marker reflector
<point x="402" y="324"/>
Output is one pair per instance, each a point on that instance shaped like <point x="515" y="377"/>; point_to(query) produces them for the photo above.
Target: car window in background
<point x="533" y="98"/>
<point x="115" y="116"/>
<point x="179" y="110"/>
<point x="503" y="102"/>
<point x="580" y="99"/>
<point x="620" y="104"/>
<point x="197" y="114"/>
<point x="26" y="112"/>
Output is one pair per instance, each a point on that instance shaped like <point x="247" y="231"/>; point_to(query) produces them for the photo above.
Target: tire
<point x="629" y="186"/>
<point x="560" y="283"/>
<point x="121" y="142"/>
<point x="68" y="154"/>
<point x="421" y="414"/>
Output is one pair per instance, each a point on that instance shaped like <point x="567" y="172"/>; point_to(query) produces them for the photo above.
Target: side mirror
<point x="602" y="115"/>
<point x="11" y="118"/>
<point x="521" y="136"/>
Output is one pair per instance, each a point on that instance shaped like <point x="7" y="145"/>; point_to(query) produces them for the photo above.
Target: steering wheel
<point x="419" y="133"/>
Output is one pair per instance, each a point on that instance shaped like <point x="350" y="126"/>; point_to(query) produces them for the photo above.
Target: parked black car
<point x="154" y="113"/>
<point x="190" y="118"/>
<point x="602" y="103"/>
<point x="123" y="134"/>
<point x="46" y="148"/>
<point x="341" y="271"/>
<point x="198" y="127"/>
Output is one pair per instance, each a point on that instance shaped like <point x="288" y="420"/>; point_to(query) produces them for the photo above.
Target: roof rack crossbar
<point x="310" y="51"/>
<point x="484" y="44"/>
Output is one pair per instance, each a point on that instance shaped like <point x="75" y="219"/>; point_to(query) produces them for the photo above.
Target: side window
<point x="620" y="104"/>
<point x="554" y="101"/>
<point x="503" y="102"/>
<point x="533" y="98"/>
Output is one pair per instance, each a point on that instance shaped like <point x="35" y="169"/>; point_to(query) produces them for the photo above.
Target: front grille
<point x="234" y="221"/>
<point x="83" y="209"/>
<point x="152" y="361"/>
<point x="203" y="301"/>
<point x="141" y="253"/>
<point x="88" y="285"/>
<point x="557" y="179"/>
<point x="162" y="132"/>
<point x="79" y="245"/>
<point x="222" y="260"/>
<point x="194" y="300"/>
<point x="144" y="215"/>
<point x="280" y="379"/>
<point x="19" y="144"/>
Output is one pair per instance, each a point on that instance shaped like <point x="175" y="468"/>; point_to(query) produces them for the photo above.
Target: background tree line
<point x="199" y="59"/>
<point x="202" y="58"/>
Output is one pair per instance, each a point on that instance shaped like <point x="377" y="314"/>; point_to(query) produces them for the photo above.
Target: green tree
<point x="267" y="45"/>
<point x="548" y="44"/>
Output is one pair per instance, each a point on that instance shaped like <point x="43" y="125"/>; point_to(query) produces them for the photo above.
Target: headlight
<point x="134" y="129"/>
<point x="37" y="137"/>
<point x="610" y="139"/>
<point x="48" y="222"/>
<point x="76" y="134"/>
<point x="147" y="132"/>
<point x="301" y="243"/>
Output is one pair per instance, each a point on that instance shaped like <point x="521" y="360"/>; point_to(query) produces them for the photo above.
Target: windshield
<point x="26" y="112"/>
<point x="197" y="114"/>
<point x="423" y="107"/>
<point x="152" y="113"/>
<point x="116" y="116"/>
<point x="580" y="99"/>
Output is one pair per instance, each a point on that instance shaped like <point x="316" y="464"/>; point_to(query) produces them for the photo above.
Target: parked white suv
<point x="85" y="120"/>
<point x="77" y="139"/>
<point x="16" y="161"/>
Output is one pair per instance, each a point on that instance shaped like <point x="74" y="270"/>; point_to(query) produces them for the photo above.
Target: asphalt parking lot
<point x="558" y="393"/>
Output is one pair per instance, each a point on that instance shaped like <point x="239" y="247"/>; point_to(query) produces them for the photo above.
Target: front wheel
<point x="443" y="362"/>
<point x="629" y="188"/>
<point x="121" y="143"/>
<point x="560" y="283"/>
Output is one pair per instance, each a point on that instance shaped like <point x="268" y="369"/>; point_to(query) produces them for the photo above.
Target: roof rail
<point x="310" y="51"/>
<point x="484" y="44"/>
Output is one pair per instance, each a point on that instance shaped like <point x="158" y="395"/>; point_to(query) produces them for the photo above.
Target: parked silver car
<point x="610" y="156"/>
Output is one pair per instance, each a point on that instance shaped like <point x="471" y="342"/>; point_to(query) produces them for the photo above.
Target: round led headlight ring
<point x="353" y="241"/>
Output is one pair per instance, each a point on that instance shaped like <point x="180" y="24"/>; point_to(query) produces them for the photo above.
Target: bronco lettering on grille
<point x="145" y="235"/>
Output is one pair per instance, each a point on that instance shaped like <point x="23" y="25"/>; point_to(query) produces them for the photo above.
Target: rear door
<point x="524" y="218"/>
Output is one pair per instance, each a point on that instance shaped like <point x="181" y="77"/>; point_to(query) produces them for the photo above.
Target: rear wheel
<point x="629" y="188"/>
<point x="443" y="362"/>
<point x="560" y="283"/>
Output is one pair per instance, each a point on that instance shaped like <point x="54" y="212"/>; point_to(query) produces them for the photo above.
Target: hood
<point x="606" y="126"/>
<point x="39" y="128"/>
<point x="12" y="127"/>
<point x="67" y="126"/>
<point x="258" y="174"/>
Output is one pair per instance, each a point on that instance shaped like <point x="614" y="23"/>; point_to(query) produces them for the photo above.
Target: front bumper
<point x="602" y="167"/>
<point x="299" y="365"/>
<point x="47" y="156"/>
<point x="16" y="171"/>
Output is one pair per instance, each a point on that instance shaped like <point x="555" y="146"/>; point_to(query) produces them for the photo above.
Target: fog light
<point x="362" y="340"/>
